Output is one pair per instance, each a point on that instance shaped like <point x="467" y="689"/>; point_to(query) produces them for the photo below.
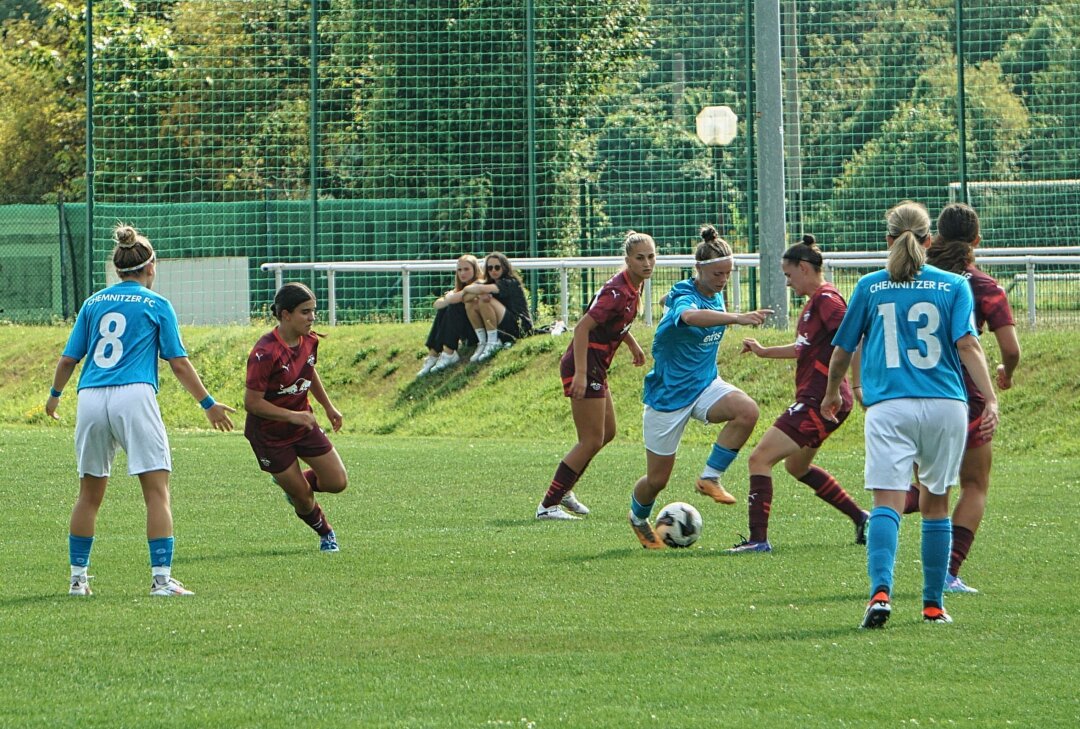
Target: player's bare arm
<point x="65" y="367"/>
<point x="255" y="402"/>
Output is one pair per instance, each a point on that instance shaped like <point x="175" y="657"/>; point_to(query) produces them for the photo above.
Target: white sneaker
<point x="554" y="513"/>
<point x="429" y="362"/>
<point x="490" y="350"/>
<point x="480" y="349"/>
<point x="168" y="587"/>
<point x="80" y="586"/>
<point x="446" y="361"/>
<point x="571" y="502"/>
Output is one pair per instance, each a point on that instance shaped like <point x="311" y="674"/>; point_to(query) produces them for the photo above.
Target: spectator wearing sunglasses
<point x="497" y="308"/>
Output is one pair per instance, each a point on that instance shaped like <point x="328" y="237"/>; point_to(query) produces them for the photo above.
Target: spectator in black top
<point x="497" y="307"/>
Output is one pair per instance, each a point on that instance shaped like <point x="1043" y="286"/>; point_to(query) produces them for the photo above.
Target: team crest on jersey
<point x="296" y="388"/>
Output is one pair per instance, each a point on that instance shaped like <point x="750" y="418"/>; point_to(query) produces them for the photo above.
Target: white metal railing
<point x="1029" y="257"/>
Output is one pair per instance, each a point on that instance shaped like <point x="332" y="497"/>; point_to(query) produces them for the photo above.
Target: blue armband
<point x="53" y="392"/>
<point x="207" y="402"/>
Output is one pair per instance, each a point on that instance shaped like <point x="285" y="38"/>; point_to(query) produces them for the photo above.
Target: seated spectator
<point x="451" y="325"/>
<point x="497" y="307"/>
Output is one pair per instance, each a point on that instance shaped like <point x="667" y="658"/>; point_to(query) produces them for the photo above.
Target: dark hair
<point x="953" y="247"/>
<point x="290" y="296"/>
<point x="711" y="245"/>
<point x="507" y="269"/>
<point x="132" y="252"/>
<point x="908" y="225"/>
<point x="805" y="250"/>
<point x="633" y="238"/>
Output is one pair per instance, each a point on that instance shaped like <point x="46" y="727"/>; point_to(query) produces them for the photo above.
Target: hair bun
<point x="126" y="236"/>
<point x="809" y="239"/>
<point x="708" y="233"/>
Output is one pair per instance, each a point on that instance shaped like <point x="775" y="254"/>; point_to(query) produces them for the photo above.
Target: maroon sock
<point x="759" y="505"/>
<point x="312" y="479"/>
<point x="317" y="521"/>
<point x="563" y="482"/>
<point x="828" y="490"/>
<point x="911" y="505"/>
<point x="962" y="537"/>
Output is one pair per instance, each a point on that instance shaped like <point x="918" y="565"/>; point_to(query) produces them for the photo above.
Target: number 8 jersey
<point x="909" y="331"/>
<point x="124" y="329"/>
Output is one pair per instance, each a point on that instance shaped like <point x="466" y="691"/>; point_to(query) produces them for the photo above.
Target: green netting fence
<point x="293" y="130"/>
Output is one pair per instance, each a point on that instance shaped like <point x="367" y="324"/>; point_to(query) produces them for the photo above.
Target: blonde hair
<point x="132" y="252"/>
<point x="909" y="226"/>
<point x="711" y="245"/>
<point x="633" y="238"/>
<point x="475" y="264"/>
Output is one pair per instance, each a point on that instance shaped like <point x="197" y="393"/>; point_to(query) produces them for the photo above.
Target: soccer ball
<point x="678" y="524"/>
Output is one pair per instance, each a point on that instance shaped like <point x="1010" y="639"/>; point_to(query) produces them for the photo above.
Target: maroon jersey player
<point x="584" y="368"/>
<point x="953" y="250"/>
<point x="798" y="433"/>
<point x="280" y="424"/>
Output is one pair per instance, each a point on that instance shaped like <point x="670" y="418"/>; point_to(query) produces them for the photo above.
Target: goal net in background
<point x="283" y="130"/>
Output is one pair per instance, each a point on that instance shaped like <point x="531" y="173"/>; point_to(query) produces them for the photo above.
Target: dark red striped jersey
<point x="818" y="322"/>
<point x="283" y="374"/>
<point x="614" y="309"/>
<point x="991" y="308"/>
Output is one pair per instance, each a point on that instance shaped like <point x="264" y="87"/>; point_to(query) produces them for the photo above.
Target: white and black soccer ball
<point x="678" y="524"/>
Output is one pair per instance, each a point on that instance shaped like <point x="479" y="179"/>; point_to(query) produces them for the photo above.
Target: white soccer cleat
<point x="571" y="502"/>
<point x="168" y="587"/>
<point x="80" y="586"/>
<point x="554" y="513"/>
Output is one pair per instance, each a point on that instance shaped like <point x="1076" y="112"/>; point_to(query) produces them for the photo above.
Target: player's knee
<point x="758" y="463"/>
<point x="797" y="469"/>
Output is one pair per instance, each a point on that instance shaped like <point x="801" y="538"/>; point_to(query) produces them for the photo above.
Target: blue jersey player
<point x="915" y="326"/>
<point x="684" y="383"/>
<point x="119" y="335"/>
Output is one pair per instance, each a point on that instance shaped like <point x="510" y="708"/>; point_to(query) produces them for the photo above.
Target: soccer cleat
<point x="446" y="361"/>
<point x="328" y="543"/>
<point x="571" y="502"/>
<point x="860" y="528"/>
<point x="747" y="546"/>
<point x="554" y="513"/>
<point x="162" y="586"/>
<point x="429" y="362"/>
<point x="953" y="583"/>
<point x="711" y="487"/>
<point x="935" y="615"/>
<point x="645" y="534"/>
<point x="877" y="612"/>
<point x="80" y="586"/>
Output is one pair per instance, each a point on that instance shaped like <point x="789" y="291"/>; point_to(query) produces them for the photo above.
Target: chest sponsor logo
<point x="296" y="388"/>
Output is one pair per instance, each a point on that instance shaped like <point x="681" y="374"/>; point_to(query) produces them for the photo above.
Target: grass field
<point x="450" y="606"/>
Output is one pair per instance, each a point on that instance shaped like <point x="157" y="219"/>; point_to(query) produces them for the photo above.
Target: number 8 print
<point x="111" y="328"/>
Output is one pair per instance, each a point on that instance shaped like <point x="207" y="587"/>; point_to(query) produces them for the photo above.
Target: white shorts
<point x="663" y="430"/>
<point x="126" y="416"/>
<point x="906" y="431"/>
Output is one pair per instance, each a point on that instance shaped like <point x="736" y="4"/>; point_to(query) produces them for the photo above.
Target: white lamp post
<point x="716" y="128"/>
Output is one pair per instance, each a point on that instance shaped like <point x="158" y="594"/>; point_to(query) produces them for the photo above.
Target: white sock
<point x="78" y="571"/>
<point x="493" y="336"/>
<point x="165" y="572"/>
<point x="481" y="337"/>
<point x="712" y="473"/>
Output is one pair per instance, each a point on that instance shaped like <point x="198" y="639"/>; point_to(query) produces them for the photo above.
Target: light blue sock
<point x="936" y="545"/>
<point x="719" y="460"/>
<point x="79" y="550"/>
<point x="641" y="511"/>
<point x="882" y="539"/>
<point x="161" y="551"/>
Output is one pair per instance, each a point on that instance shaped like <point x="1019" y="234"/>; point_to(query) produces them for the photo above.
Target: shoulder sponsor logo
<point x="311" y="360"/>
